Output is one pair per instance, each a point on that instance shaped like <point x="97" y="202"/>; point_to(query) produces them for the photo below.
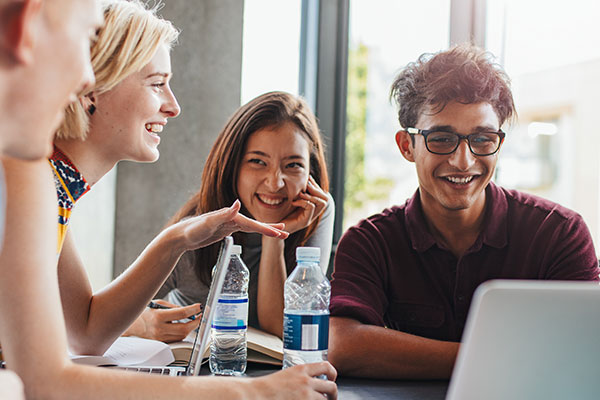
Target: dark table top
<point x="356" y="388"/>
<point x="360" y="389"/>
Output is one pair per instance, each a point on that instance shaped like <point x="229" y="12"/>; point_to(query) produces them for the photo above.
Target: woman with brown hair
<point x="270" y="156"/>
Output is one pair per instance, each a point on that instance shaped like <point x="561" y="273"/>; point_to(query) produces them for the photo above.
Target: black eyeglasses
<point x="446" y="142"/>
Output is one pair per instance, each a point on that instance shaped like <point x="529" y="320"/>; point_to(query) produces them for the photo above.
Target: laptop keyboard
<point x="175" y="371"/>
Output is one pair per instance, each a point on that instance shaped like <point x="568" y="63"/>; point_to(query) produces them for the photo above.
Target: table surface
<point x="359" y="389"/>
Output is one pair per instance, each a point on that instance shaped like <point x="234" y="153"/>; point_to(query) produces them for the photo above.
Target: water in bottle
<point x="306" y="311"/>
<point x="228" y="346"/>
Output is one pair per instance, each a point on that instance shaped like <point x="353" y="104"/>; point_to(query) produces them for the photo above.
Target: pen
<point x="157" y="306"/>
<point x="152" y="304"/>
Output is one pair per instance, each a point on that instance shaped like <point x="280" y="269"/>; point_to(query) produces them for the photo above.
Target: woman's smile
<point x="274" y="171"/>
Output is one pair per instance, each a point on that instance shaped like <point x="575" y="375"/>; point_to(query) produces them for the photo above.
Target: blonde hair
<point x="131" y="34"/>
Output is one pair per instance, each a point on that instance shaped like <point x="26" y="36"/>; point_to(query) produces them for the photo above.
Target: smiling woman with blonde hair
<point x="133" y="36"/>
<point x="119" y="118"/>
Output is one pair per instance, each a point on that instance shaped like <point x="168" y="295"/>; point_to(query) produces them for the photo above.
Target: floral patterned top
<point x="70" y="186"/>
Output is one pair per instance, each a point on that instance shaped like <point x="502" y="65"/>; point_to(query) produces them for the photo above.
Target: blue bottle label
<point x="305" y="332"/>
<point x="231" y="314"/>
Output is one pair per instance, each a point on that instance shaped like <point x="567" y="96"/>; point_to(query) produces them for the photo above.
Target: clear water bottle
<point x="306" y="312"/>
<point x="228" y="346"/>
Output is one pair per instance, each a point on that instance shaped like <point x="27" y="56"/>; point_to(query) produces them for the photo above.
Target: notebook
<point x="530" y="340"/>
<point x="202" y="333"/>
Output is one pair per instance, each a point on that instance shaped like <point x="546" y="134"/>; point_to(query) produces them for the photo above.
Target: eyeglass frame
<point x="426" y="132"/>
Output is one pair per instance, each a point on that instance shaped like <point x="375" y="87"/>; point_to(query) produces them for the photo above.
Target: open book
<point x="262" y="348"/>
<point x="130" y="351"/>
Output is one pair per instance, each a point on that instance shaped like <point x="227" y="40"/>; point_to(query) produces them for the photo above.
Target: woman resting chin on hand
<point x="270" y="156"/>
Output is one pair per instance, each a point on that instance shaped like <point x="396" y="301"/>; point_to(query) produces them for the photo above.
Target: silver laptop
<point x="530" y="340"/>
<point x="202" y="333"/>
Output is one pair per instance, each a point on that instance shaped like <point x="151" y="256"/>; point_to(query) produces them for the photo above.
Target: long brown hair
<point x="218" y="187"/>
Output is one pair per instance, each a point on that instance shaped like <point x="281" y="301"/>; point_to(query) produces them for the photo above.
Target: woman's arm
<point x="30" y="309"/>
<point x="272" y="268"/>
<point x="271" y="278"/>
<point x="94" y="321"/>
<point x="322" y="237"/>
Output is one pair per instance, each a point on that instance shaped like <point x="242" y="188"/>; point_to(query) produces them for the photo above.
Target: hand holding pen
<point x="158" y="306"/>
<point x="166" y="322"/>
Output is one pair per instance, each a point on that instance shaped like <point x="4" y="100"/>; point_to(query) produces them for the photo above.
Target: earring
<point x="91" y="109"/>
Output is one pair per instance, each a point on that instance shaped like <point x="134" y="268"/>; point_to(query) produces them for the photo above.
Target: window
<point x="551" y="50"/>
<point x="271" y="44"/>
<point x="384" y="37"/>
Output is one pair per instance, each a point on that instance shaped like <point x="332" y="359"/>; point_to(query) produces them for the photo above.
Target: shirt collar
<point x="68" y="173"/>
<point x="495" y="228"/>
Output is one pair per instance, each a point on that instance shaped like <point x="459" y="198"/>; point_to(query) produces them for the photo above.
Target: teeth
<point x="455" y="179"/>
<point x="154" y="128"/>
<point x="270" y="202"/>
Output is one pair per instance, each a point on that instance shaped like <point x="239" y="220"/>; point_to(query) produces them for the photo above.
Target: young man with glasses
<point x="404" y="278"/>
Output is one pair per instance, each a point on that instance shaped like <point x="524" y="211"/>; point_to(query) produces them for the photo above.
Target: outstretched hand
<point x="309" y="206"/>
<point x="206" y="229"/>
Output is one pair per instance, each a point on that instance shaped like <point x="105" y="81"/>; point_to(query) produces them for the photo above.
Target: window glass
<point x="271" y="47"/>
<point x="384" y="36"/>
<point x="551" y="51"/>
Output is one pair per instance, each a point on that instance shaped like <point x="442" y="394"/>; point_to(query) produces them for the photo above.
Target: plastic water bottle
<point x="306" y="312"/>
<point x="228" y="346"/>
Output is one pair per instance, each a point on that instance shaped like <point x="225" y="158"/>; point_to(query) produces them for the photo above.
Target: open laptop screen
<point x="530" y="340"/>
<point x="214" y="292"/>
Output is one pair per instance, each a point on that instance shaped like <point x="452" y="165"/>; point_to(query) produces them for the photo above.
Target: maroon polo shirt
<point x="390" y="271"/>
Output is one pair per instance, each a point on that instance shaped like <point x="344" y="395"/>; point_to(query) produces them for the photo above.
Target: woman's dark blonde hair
<point x="126" y="43"/>
<point x="219" y="179"/>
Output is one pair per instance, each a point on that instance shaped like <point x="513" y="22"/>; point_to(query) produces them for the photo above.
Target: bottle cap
<point x="308" y="254"/>
<point x="236" y="249"/>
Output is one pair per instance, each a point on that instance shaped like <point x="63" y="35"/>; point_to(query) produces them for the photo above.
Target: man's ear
<point x="18" y="30"/>
<point x="405" y="144"/>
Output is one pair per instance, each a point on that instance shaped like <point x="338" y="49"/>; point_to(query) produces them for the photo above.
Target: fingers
<point x="235" y="207"/>
<point x="161" y="324"/>
<point x="304" y="202"/>
<point x="177" y="313"/>
<point x="246" y="224"/>
<point x="279" y="225"/>
<point x="179" y="331"/>
<point x="313" y="206"/>
<point x="176" y="332"/>
<point x="303" y="215"/>
<point x="328" y="388"/>
<point x="206" y="229"/>
<point x="322" y="368"/>
<point x="315" y="195"/>
<point x="319" y="202"/>
<point x="314" y="189"/>
<point x="315" y="371"/>
<point x="164" y="303"/>
<point x="232" y="221"/>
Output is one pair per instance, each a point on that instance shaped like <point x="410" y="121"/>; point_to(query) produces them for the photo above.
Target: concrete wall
<point x="207" y="76"/>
